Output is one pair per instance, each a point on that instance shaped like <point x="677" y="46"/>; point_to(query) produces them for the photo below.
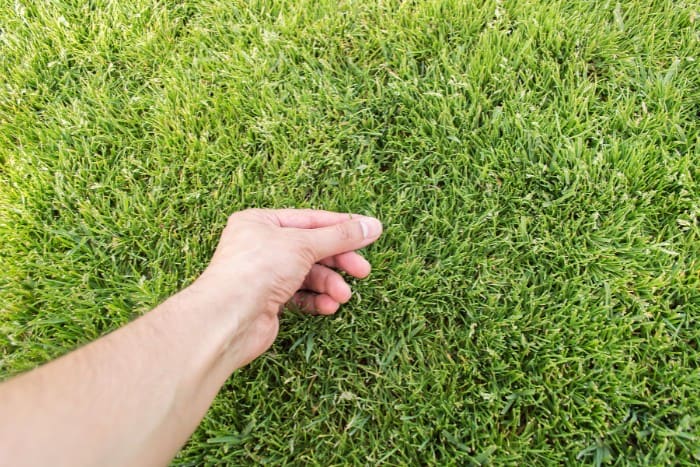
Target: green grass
<point x="536" y="296"/>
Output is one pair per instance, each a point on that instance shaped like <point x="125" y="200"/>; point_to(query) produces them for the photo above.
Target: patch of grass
<point x="535" y="298"/>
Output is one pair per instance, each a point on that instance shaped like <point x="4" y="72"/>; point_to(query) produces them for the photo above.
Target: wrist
<point x="203" y="328"/>
<point x="222" y="306"/>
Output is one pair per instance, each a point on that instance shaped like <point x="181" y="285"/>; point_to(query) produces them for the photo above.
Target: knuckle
<point x="345" y="231"/>
<point x="232" y="218"/>
<point x="248" y="212"/>
<point x="238" y="216"/>
<point x="327" y="279"/>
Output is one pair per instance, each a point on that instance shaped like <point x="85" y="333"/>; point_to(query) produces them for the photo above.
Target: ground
<point x="536" y="295"/>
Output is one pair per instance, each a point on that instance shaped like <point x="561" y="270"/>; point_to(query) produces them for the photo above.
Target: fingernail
<point x="371" y="227"/>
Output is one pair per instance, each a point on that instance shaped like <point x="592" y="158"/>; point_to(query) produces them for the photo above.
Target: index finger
<point x="311" y="218"/>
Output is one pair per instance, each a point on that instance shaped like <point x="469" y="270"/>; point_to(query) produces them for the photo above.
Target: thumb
<point x="341" y="238"/>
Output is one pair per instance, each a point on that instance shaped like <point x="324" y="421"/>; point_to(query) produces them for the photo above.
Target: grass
<point x="536" y="296"/>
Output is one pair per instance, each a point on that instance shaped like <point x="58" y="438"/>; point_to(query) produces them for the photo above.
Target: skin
<point x="135" y="396"/>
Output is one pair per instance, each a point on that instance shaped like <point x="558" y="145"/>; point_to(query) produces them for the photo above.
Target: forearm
<point x="132" y="397"/>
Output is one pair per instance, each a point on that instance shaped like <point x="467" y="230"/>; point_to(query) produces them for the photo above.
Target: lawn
<point x="535" y="298"/>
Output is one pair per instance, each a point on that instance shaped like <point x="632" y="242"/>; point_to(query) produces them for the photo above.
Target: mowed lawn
<point x="535" y="298"/>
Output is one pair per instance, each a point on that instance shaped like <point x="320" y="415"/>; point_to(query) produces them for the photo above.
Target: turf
<point x="536" y="296"/>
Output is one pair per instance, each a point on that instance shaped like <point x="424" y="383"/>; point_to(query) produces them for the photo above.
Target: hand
<point x="154" y="378"/>
<point x="266" y="258"/>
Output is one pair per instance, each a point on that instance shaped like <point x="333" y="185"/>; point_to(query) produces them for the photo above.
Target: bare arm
<point x="136" y="395"/>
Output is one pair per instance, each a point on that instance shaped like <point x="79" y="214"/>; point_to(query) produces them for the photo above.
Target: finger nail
<point x="371" y="227"/>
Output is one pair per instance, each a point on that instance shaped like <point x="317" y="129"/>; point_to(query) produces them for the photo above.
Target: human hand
<point x="267" y="258"/>
<point x="171" y="362"/>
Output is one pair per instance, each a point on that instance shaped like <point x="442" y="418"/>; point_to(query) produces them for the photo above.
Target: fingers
<point x="351" y="262"/>
<point x="323" y="291"/>
<point x="310" y="302"/>
<point x="326" y="233"/>
<point x="341" y="238"/>
<point x="326" y="281"/>
<point x="310" y="218"/>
